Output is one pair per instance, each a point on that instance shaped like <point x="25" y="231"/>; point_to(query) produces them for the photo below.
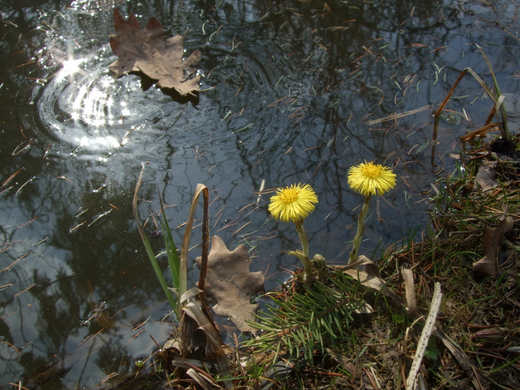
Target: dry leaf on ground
<point x="411" y="301"/>
<point x="486" y="178"/>
<point x="146" y="51"/>
<point x="230" y="282"/>
<point x="492" y="238"/>
<point x="370" y="277"/>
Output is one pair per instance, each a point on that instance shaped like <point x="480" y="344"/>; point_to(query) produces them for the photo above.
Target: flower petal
<point x="371" y="179"/>
<point x="292" y="203"/>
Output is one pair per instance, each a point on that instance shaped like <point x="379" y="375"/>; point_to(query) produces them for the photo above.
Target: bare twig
<point x="425" y="336"/>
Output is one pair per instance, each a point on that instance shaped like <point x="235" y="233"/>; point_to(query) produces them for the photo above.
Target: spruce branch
<point x="315" y="317"/>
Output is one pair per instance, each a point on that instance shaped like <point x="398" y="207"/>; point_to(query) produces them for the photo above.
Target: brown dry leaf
<point x="492" y="237"/>
<point x="230" y="282"/>
<point x="146" y="51"/>
<point x="370" y="277"/>
<point x="486" y="178"/>
<point x="194" y="324"/>
<point x="411" y="301"/>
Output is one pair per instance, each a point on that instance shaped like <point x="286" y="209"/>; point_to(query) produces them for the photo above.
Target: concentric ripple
<point x="85" y="106"/>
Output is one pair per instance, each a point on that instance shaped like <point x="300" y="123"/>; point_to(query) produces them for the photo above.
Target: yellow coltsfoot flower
<point x="371" y="179"/>
<point x="293" y="203"/>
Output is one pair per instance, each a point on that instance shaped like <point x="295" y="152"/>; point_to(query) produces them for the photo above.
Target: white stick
<point x="261" y="189"/>
<point x="425" y="336"/>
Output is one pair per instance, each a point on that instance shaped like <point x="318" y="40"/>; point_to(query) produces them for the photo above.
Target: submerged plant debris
<point x="144" y="50"/>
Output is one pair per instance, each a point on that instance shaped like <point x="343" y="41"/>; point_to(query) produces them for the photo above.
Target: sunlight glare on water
<point x="87" y="107"/>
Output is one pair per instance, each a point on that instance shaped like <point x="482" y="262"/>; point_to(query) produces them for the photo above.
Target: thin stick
<point x="425" y="336"/>
<point x="262" y="185"/>
<point x="395" y="116"/>
<point x="201" y="188"/>
<point x="12" y="176"/>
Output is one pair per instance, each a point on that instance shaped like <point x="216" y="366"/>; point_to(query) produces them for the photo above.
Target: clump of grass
<point x="494" y="95"/>
<point x="478" y="312"/>
<point x="198" y="337"/>
<point x="178" y="278"/>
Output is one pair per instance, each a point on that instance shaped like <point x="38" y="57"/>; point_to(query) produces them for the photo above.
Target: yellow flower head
<point x="371" y="179"/>
<point x="292" y="203"/>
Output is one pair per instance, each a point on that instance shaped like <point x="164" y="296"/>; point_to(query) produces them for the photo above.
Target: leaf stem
<point x="305" y="249"/>
<point x="360" y="230"/>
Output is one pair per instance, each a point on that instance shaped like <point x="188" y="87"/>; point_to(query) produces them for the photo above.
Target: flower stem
<point x="360" y="230"/>
<point x="305" y="248"/>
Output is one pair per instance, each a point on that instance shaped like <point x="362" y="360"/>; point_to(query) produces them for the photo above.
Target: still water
<point x="289" y="91"/>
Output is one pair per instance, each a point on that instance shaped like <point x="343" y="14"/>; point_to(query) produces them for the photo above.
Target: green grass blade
<point x="149" y="250"/>
<point x="171" y="250"/>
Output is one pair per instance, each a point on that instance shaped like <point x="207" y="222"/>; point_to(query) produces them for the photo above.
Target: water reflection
<point x="289" y="89"/>
<point x="89" y="109"/>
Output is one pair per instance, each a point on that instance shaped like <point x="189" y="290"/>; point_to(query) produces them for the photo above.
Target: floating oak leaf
<point x="492" y="238"/>
<point x="230" y="282"/>
<point x="146" y="51"/>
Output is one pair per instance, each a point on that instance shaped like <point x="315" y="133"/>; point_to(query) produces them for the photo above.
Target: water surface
<point x="289" y="91"/>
